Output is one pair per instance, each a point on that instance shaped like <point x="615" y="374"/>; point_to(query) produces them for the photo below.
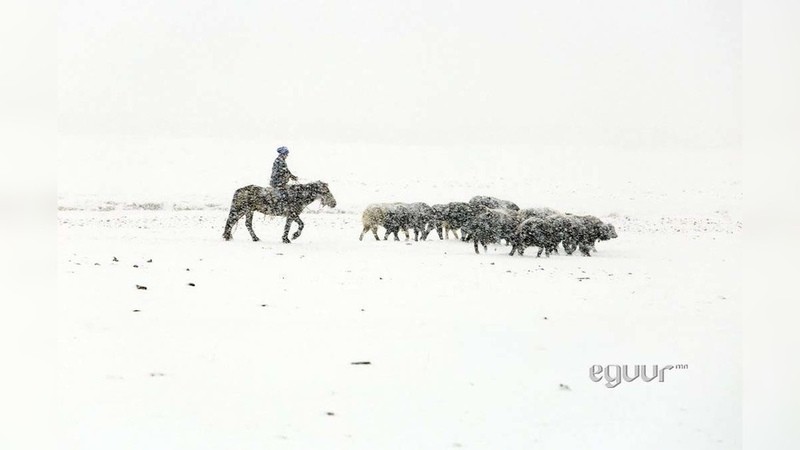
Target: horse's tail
<point x="236" y="213"/>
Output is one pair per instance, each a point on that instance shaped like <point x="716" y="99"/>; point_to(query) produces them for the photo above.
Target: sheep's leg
<point x="475" y="244"/>
<point x="405" y="230"/>
<point x="233" y="217"/>
<point x="439" y="232"/>
<point x="249" y="222"/>
<point x="539" y="253"/>
<point x="396" y="237"/>
<point x="386" y="236"/>
<point x="485" y="248"/>
<point x="513" y="250"/>
<point x="286" y="229"/>
<point x="425" y="231"/>
<point x="363" y="232"/>
<point x="375" y="232"/>
<point x="521" y="250"/>
<point x="300" y="226"/>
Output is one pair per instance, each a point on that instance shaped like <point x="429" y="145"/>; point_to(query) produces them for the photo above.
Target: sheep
<point x="451" y="217"/>
<point x="437" y="221"/>
<point x="373" y="216"/>
<point x="398" y="217"/>
<point x="391" y="216"/>
<point x="596" y="230"/>
<point x="541" y="213"/>
<point x="569" y="231"/>
<point x="420" y="216"/>
<point x="493" y="225"/>
<point x="493" y="203"/>
<point x="535" y="232"/>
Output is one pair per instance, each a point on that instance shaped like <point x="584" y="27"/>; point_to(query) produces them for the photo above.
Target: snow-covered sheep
<point x="451" y="217"/>
<point x="493" y="203"/>
<point x="569" y="231"/>
<point x="397" y="217"/>
<point x="373" y="217"/>
<point x="437" y="221"/>
<point x="540" y="213"/>
<point x="493" y="225"/>
<point x="596" y="230"/>
<point x="391" y="216"/>
<point x="420" y="217"/>
<point x="536" y="232"/>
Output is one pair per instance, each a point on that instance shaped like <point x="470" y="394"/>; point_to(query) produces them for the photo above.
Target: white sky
<point x="625" y="73"/>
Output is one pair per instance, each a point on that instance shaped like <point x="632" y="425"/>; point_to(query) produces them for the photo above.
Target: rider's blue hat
<point x="283" y="151"/>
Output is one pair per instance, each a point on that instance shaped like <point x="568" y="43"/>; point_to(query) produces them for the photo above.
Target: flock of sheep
<point x="484" y="220"/>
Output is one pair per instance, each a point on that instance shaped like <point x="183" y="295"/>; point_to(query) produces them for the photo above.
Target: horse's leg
<point x="375" y="232"/>
<point x="300" y="225"/>
<point x="249" y="222"/>
<point x="286" y="228"/>
<point x="363" y="232"/>
<point x="233" y="217"/>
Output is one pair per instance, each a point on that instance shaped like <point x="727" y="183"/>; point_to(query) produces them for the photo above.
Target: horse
<point x="253" y="198"/>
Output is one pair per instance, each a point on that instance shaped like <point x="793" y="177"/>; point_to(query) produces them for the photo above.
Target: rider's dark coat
<point x="280" y="173"/>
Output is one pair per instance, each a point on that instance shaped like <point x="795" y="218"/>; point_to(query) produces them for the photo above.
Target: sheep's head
<point x="607" y="231"/>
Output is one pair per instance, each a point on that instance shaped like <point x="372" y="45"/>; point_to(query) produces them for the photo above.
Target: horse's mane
<point x="303" y="186"/>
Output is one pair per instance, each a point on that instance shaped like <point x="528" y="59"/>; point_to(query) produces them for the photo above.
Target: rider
<point x="281" y="174"/>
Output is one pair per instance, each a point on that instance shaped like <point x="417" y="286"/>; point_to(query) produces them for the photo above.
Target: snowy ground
<point x="469" y="351"/>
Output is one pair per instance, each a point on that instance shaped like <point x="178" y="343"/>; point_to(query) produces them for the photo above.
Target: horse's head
<point x="324" y="194"/>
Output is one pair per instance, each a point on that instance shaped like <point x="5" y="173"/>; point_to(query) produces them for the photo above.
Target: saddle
<point x="269" y="194"/>
<point x="275" y="198"/>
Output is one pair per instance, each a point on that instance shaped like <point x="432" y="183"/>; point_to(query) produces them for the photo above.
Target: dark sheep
<point x="451" y="217"/>
<point x="398" y="217"/>
<point x="540" y="213"/>
<point x="420" y="217"/>
<point x="493" y="225"/>
<point x="596" y="230"/>
<point x="536" y="232"/>
<point x="569" y="231"/>
<point x="493" y="203"/>
<point x="437" y="222"/>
